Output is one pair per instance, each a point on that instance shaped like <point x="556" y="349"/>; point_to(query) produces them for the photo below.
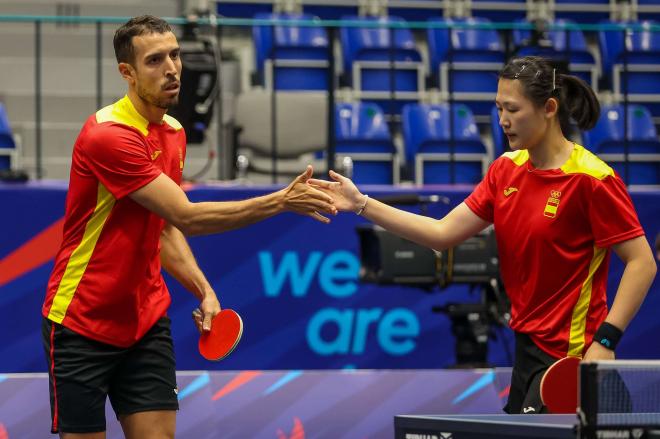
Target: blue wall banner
<point x="294" y="281"/>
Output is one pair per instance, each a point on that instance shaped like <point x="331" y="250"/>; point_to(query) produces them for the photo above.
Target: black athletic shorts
<point x="83" y="372"/>
<point x="529" y="365"/>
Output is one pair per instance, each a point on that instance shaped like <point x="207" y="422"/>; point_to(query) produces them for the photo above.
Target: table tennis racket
<point x="559" y="386"/>
<point x="220" y="341"/>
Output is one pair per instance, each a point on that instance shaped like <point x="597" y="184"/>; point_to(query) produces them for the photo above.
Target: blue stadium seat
<point x="367" y="53"/>
<point x="418" y="10"/>
<point x="241" y="8"/>
<point x="641" y="80"/>
<point x="428" y="144"/>
<point x="607" y="140"/>
<point x="299" y="54"/>
<point x="7" y="143"/>
<point x="476" y="55"/>
<point x="501" y="10"/>
<point x="330" y="10"/>
<point x="362" y="134"/>
<point x="648" y="9"/>
<point x="582" y="11"/>
<point x="610" y="45"/>
<point x="581" y="62"/>
<point x="642" y="46"/>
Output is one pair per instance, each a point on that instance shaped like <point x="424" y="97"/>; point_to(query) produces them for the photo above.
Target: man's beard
<point x="164" y="103"/>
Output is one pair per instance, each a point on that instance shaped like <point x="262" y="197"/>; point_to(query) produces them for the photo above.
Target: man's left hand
<point x="208" y="308"/>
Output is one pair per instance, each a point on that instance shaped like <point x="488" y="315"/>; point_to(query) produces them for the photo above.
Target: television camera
<point x="387" y="259"/>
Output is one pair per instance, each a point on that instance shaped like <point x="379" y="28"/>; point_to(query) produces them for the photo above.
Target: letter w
<point x="289" y="267"/>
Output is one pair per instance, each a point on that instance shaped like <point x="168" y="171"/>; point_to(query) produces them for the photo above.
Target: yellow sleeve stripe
<point x="576" y="340"/>
<point x="75" y="268"/>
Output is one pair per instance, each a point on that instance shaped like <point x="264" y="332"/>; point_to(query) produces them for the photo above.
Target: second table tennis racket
<point x="559" y="386"/>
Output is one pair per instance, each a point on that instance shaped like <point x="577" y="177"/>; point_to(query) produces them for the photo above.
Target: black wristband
<point x="608" y="335"/>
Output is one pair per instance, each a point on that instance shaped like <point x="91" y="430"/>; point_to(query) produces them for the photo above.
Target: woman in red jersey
<point x="557" y="210"/>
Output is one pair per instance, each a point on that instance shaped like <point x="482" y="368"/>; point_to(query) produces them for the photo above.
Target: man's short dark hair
<point x="142" y="25"/>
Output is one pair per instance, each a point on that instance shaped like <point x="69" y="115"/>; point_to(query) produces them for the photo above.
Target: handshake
<point x="314" y="197"/>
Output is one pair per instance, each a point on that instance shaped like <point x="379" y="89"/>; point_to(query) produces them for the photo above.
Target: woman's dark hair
<point x="541" y="81"/>
<point x="142" y="25"/>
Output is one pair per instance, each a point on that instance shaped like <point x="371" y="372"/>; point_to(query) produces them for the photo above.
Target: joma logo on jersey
<point x="508" y="191"/>
<point x="552" y="204"/>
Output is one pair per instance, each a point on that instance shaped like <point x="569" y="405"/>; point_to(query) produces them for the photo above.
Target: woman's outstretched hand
<point x="347" y="197"/>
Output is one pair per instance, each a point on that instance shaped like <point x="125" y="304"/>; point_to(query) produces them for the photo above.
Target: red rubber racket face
<point x="226" y="332"/>
<point x="559" y="386"/>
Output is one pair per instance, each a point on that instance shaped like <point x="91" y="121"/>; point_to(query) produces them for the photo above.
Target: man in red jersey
<point x="105" y="329"/>
<point x="558" y="211"/>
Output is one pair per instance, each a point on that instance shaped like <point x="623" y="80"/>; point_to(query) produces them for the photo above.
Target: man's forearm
<point x="214" y="217"/>
<point x="177" y="259"/>
<point x="166" y="199"/>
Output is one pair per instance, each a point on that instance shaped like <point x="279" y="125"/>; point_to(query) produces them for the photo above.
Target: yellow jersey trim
<point x="172" y="122"/>
<point x="576" y="340"/>
<point x="123" y="112"/>
<point x="583" y="161"/>
<point x="75" y="268"/>
<point x="518" y="157"/>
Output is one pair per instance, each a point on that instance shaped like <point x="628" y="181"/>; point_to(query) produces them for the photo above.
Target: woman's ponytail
<point x="579" y="102"/>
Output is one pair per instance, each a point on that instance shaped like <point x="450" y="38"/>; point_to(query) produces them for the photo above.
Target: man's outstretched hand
<point x="305" y="199"/>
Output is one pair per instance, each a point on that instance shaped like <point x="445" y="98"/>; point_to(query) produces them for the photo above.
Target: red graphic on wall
<point x="34" y="253"/>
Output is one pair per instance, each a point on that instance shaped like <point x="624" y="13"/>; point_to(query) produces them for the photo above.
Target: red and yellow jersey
<point x="106" y="283"/>
<point x="554" y="229"/>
